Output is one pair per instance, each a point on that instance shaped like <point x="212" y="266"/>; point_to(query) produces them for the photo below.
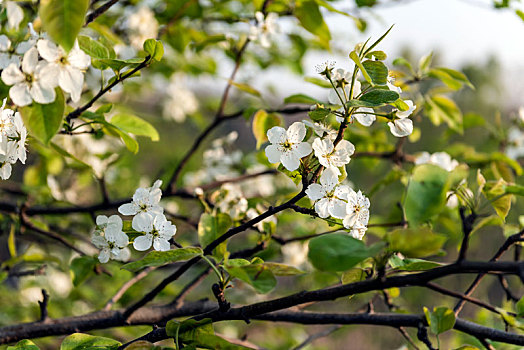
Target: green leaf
<point x="415" y="243"/>
<point x="154" y="48"/>
<point x="354" y="56"/>
<point x="282" y="269"/>
<point x="426" y="193"/>
<point x="440" y="320"/>
<point x="401" y="61"/>
<point x="63" y="19"/>
<point x="301" y="98"/>
<point x="425" y="62"/>
<point x="24" y="345"/>
<point x="262" y="122"/>
<point x="294" y="175"/>
<point x="379" y="55"/>
<point x="337" y="252"/>
<point x="330" y="8"/>
<point x="319" y="82"/>
<point x="520" y="13"/>
<point x="411" y="264"/>
<point x="80" y="341"/>
<point x="379" y="97"/>
<point x="520" y="307"/>
<point x="81" y="268"/>
<point x="319" y="114"/>
<point x="495" y="191"/>
<point x="199" y="334"/>
<point x="117" y="65"/>
<point x="377" y="71"/>
<point x="246" y="88"/>
<point x="256" y="275"/>
<point x="155" y="258"/>
<point x="310" y="17"/>
<point x="92" y="47"/>
<point x="211" y="227"/>
<point x="442" y="109"/>
<point x="378" y="40"/>
<point x="458" y="76"/>
<point x="492" y="220"/>
<point x="353" y="275"/>
<point x="44" y="120"/>
<point x="135" y="125"/>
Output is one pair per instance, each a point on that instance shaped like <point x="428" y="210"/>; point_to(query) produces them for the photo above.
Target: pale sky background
<point x="461" y="30"/>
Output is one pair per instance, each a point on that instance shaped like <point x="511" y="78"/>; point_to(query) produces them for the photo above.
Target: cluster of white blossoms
<point x="341" y="202"/>
<point x="264" y="28"/>
<point x="13" y="135"/>
<point x="441" y="159"/>
<point x="148" y="219"/>
<point x="180" y="101"/>
<point x="142" y="25"/>
<point x="35" y="79"/>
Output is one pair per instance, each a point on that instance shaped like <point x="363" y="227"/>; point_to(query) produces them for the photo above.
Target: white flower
<point x="231" y="201"/>
<point x="69" y="66"/>
<point x="253" y="213"/>
<point x="33" y="82"/>
<point x="15" y="14"/>
<point x="392" y="86"/>
<point x="329" y="195"/>
<point x="20" y="137"/>
<point x="158" y="231"/>
<point x="287" y="146"/>
<point x="145" y="201"/>
<point x="7" y="56"/>
<point x="264" y="28"/>
<point x="110" y="239"/>
<point x="5" y="167"/>
<point x="342" y="76"/>
<point x="142" y="26"/>
<point x="322" y="130"/>
<point x="515" y="147"/>
<point x="403" y="126"/>
<point x="295" y="253"/>
<point x="367" y="118"/>
<point x="332" y="157"/>
<point x="358" y="231"/>
<point x="180" y="102"/>
<point x="441" y="159"/>
<point x="357" y="210"/>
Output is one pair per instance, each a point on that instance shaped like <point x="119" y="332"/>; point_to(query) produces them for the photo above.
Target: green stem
<point x="219" y="275"/>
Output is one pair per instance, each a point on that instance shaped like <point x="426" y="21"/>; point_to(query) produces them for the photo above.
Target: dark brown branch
<point x="99" y="11"/>
<point x="44" y="317"/>
<point x="517" y="237"/>
<point x="467" y="227"/>
<point x="77" y="112"/>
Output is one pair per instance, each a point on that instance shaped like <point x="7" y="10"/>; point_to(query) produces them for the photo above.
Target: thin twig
<point x="121" y="291"/>
<point x="44" y="317"/>
<point x="99" y="11"/>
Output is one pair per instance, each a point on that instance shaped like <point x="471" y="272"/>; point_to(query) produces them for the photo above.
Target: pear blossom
<point x="7" y="56"/>
<point x="180" y="102"/>
<point x="391" y="86"/>
<point x="329" y="195"/>
<point x="332" y="157"/>
<point x="287" y="146"/>
<point x="403" y="126"/>
<point x="252" y="213"/>
<point x="441" y="159"/>
<point x="358" y="231"/>
<point x="231" y="201"/>
<point x="342" y="76"/>
<point x="142" y="26"/>
<point x="110" y="239"/>
<point x="69" y="66"/>
<point x="145" y="202"/>
<point x="295" y="253"/>
<point x="321" y="129"/>
<point x="264" y="28"/>
<point x="365" y="116"/>
<point x="158" y="231"/>
<point x="357" y="209"/>
<point x="33" y="82"/>
<point x="515" y="147"/>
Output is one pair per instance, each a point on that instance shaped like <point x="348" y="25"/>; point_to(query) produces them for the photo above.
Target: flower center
<point x="29" y="78"/>
<point x="287" y="145"/>
<point x="63" y="60"/>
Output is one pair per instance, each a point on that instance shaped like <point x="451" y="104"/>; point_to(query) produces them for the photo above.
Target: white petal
<point x="401" y="127"/>
<point x="78" y="58"/>
<point x="15" y="14"/>
<point x="48" y="50"/>
<point x="337" y="209"/>
<point x="30" y="61"/>
<point x="123" y="254"/>
<point x="42" y="93"/>
<point x="12" y="75"/>
<point x="322" y="147"/>
<point x="366" y="119"/>
<point x="47" y="74"/>
<point x="103" y="257"/>
<point x="315" y="192"/>
<point x="115" y="220"/>
<point x="161" y="244"/>
<point x="296" y="132"/>
<point x="142" y="243"/>
<point x="5" y="171"/>
<point x="273" y="154"/>
<point x="321" y="207"/>
<point x="20" y="95"/>
<point x="290" y="161"/>
<point x="71" y="80"/>
<point x="5" y="43"/>
<point x="276" y="135"/>
<point x="142" y="222"/>
<point x="101" y="219"/>
<point x="128" y="209"/>
<point x="302" y="149"/>
<point x="99" y="242"/>
<point x="329" y="178"/>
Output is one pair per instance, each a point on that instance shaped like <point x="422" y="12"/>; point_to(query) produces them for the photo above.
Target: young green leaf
<point x="415" y="243"/>
<point x="262" y="122"/>
<point x="135" y="125"/>
<point x="81" y="268"/>
<point x="63" y="19"/>
<point x="80" y="341"/>
<point x="25" y="344"/>
<point x="440" y="320"/>
<point x="155" y="258"/>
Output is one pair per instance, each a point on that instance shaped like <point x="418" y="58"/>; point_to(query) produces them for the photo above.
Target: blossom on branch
<point x="110" y="239"/>
<point x="287" y="146"/>
<point x="145" y="201"/>
<point x="403" y="126"/>
<point x="329" y="195"/>
<point x="333" y="157"/>
<point x="158" y="231"/>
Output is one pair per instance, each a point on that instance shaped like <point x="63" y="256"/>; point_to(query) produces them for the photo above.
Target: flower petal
<point x="302" y="149"/>
<point x="290" y="161"/>
<point x="296" y="132"/>
<point x="315" y="192"/>
<point x="142" y="222"/>
<point x="161" y="244"/>
<point x="273" y="153"/>
<point x="321" y="207"/>
<point x="276" y="135"/>
<point x="30" y="61"/>
<point x="20" y="95"/>
<point x="48" y="50"/>
<point x="12" y="75"/>
<point x="128" y="209"/>
<point x="104" y="255"/>
<point x="71" y="80"/>
<point x="401" y="127"/>
<point x="337" y="209"/>
<point x="42" y="93"/>
<point x="142" y="243"/>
